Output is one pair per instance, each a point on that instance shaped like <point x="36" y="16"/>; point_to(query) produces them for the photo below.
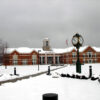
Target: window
<point x="73" y="54"/>
<point x="24" y="61"/>
<point x="57" y="59"/>
<point x="43" y="59"/>
<point x="46" y="43"/>
<point x="83" y="55"/>
<point x="95" y="60"/>
<point x="95" y="55"/>
<point x="34" y="59"/>
<point x="90" y="61"/>
<point x="49" y="60"/>
<point x="15" y="59"/>
<point x="83" y="61"/>
<point x="15" y="62"/>
<point x="74" y="61"/>
<point x="89" y="54"/>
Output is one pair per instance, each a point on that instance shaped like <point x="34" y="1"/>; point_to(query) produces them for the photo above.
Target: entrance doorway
<point x="50" y="60"/>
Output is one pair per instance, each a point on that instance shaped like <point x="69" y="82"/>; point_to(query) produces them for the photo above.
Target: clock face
<point x="75" y="40"/>
<point x="81" y="40"/>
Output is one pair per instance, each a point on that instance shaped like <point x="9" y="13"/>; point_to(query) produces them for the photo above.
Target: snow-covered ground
<point x="6" y="74"/>
<point x="66" y="88"/>
<point x="71" y="69"/>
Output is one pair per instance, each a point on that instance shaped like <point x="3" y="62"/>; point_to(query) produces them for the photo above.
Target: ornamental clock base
<point x="78" y="67"/>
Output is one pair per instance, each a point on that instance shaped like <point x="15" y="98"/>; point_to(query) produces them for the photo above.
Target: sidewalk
<point x="26" y="77"/>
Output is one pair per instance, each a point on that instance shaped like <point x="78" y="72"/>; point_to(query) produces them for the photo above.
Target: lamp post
<point x="38" y="59"/>
<point x="77" y="41"/>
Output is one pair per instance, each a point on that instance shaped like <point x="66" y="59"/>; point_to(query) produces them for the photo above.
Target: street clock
<point x="77" y="40"/>
<point x="74" y="40"/>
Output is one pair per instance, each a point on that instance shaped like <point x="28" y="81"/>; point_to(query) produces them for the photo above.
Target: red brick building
<point x="48" y="55"/>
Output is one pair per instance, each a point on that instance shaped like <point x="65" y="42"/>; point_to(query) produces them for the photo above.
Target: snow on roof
<point x="96" y="49"/>
<point x="54" y="50"/>
<point x="64" y="50"/>
<point x="10" y="50"/>
<point x="24" y="50"/>
<point x="83" y="48"/>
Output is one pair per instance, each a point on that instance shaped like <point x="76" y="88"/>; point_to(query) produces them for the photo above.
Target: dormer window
<point x="15" y="57"/>
<point x="89" y="54"/>
<point x="73" y="54"/>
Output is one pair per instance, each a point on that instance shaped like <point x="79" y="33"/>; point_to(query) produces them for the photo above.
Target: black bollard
<point x="50" y="96"/>
<point x="90" y="71"/>
<point x="15" y="71"/>
<point x="48" y="73"/>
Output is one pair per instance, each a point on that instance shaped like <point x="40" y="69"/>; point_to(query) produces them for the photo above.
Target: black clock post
<point x="77" y="41"/>
<point x="78" y="63"/>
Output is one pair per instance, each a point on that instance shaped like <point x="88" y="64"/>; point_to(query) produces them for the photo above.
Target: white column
<point x="53" y="58"/>
<point x="58" y="59"/>
<point x="41" y="59"/>
<point x="45" y="58"/>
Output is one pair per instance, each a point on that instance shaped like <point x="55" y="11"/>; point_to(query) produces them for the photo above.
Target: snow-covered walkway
<point x="17" y="77"/>
<point x="66" y="88"/>
<point x="7" y="75"/>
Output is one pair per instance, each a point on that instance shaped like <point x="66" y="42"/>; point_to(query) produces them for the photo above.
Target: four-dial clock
<point x="81" y="40"/>
<point x="77" y="40"/>
<point x="74" y="40"/>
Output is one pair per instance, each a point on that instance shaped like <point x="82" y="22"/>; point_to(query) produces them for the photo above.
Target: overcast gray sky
<point x="27" y="22"/>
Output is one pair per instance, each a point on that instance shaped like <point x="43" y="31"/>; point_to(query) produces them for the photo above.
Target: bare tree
<point x="1" y="51"/>
<point x="4" y="56"/>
